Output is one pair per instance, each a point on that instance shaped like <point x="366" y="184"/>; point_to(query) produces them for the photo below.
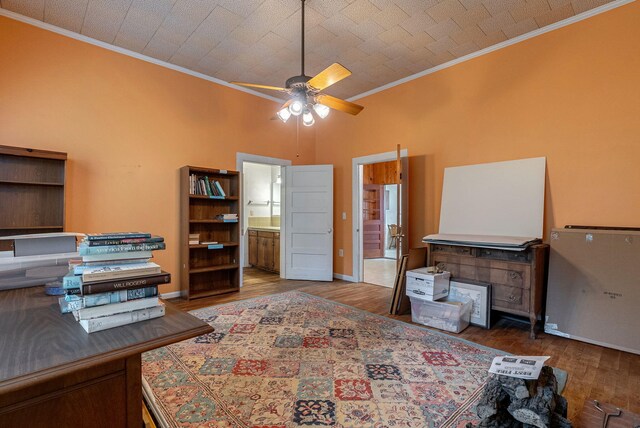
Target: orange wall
<point x="127" y="126"/>
<point x="572" y="95"/>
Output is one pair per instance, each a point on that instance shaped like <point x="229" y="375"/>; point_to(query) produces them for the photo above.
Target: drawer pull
<point x="512" y="298"/>
<point x="441" y="266"/>
<point x="515" y="275"/>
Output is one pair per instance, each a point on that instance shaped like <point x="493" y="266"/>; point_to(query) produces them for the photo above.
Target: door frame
<point x="241" y="158"/>
<point x="356" y="206"/>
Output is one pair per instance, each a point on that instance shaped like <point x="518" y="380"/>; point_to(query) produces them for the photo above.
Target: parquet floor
<point x="603" y="374"/>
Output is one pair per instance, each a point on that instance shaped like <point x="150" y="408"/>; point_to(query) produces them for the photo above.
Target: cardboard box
<point x="427" y="286"/>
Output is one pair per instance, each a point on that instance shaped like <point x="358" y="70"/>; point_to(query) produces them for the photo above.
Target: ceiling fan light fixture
<point x="321" y="110"/>
<point x="307" y="118"/>
<point x="296" y="107"/>
<point x="284" y="114"/>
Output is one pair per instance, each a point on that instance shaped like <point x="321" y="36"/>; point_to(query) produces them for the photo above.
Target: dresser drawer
<point x="515" y="275"/>
<point x="515" y="256"/>
<point x="509" y="298"/>
<point x="452" y="249"/>
<point x="253" y="232"/>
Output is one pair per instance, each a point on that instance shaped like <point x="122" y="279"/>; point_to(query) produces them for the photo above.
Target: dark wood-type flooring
<point x="596" y="372"/>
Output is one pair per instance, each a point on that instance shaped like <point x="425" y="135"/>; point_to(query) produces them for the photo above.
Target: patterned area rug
<point x="296" y="360"/>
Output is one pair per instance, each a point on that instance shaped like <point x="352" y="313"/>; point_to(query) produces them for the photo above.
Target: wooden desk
<point x="518" y="278"/>
<point x="54" y="374"/>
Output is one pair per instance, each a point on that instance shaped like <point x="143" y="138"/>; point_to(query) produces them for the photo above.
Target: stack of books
<point x="228" y="218"/>
<point x="203" y="185"/>
<point x="194" y="239"/>
<point x="114" y="283"/>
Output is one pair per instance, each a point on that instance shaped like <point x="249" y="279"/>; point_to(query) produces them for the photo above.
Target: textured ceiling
<point x="258" y="41"/>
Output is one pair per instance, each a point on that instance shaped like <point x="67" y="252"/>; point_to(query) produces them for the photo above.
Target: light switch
<point x="344" y="215"/>
<point x="340" y="252"/>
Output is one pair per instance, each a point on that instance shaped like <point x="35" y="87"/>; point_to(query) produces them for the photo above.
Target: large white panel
<point x="500" y="199"/>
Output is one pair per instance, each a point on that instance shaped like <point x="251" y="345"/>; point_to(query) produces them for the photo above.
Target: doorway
<point x="261" y="215"/>
<point x="379" y="222"/>
<point x="380" y="201"/>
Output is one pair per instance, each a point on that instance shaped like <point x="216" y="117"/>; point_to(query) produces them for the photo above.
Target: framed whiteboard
<point x="498" y="199"/>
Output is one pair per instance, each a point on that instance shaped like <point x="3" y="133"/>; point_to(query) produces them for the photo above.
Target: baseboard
<point x="171" y="295"/>
<point x="343" y="277"/>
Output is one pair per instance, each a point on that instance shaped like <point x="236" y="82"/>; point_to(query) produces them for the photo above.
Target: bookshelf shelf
<point x="215" y="268"/>
<point x="32" y="190"/>
<point x="31" y="183"/>
<point x="209" y="271"/>
<point x="210" y="221"/>
<point x="224" y="244"/>
<point x="226" y="198"/>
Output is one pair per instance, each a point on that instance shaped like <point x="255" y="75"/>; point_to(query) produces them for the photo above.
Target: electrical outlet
<point x="340" y="252"/>
<point x="344" y="215"/>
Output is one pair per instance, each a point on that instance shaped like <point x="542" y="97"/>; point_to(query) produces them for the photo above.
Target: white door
<point x="308" y="228"/>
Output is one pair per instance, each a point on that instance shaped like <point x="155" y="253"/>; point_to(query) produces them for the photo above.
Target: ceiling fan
<point x="305" y="92"/>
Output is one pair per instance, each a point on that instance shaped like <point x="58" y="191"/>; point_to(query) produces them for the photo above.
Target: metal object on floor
<point x="605" y="421"/>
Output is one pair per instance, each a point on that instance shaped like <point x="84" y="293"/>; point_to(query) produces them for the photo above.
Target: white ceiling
<point x="258" y="41"/>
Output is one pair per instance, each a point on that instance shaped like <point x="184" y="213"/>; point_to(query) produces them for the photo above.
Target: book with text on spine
<point x="115" y="308"/>
<point x="104" y="323"/>
<point x="117" y="256"/>
<point x="116" y="235"/>
<point x="119" y="272"/>
<point x="86" y="250"/>
<point x="123" y="241"/>
<point x="125" y="283"/>
<point x="71" y="303"/>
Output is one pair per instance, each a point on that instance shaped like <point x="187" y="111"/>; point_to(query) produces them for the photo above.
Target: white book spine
<point x="119" y="271"/>
<point x="105" y="323"/>
<point x="118" y="256"/>
<point x="115" y="308"/>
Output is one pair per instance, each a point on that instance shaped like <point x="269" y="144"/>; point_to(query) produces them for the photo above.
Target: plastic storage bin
<point x="450" y="315"/>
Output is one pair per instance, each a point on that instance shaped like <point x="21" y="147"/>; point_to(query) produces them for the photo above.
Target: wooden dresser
<point x="518" y="278"/>
<point x="54" y="374"/>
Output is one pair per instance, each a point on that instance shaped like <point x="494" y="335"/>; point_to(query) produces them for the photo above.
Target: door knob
<point x="330" y="230"/>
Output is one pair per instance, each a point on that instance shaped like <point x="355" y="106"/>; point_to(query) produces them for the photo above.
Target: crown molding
<point x="43" y="25"/>
<point x="551" y="27"/>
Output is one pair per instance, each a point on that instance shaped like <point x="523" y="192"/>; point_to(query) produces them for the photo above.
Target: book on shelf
<point x="219" y="187"/>
<point x="128" y="283"/>
<point x="107" y="322"/>
<point x="109" y="257"/>
<point x="194" y="238"/>
<point x="71" y="303"/>
<point x="123" y="241"/>
<point x="208" y="186"/>
<point x="119" y="271"/>
<point x="115" y="308"/>
<point x="209" y="242"/>
<point x="86" y="250"/>
<point x="116" y="235"/>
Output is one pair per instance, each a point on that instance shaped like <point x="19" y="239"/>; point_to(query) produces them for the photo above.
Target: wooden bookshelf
<point x="207" y="271"/>
<point x="32" y="186"/>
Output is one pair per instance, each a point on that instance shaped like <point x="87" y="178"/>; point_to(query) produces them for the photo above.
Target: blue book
<point x="117" y="235"/>
<point x="71" y="303"/>
<point x="220" y="188"/>
<point x="86" y="250"/>
<point x="71" y="281"/>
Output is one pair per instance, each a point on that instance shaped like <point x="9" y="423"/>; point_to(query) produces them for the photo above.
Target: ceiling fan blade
<point x="330" y="75"/>
<point x="255" y="85"/>
<point x="275" y="116"/>
<point x="338" y="104"/>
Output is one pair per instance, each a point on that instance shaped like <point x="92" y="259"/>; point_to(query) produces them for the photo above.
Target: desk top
<point x="38" y="343"/>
